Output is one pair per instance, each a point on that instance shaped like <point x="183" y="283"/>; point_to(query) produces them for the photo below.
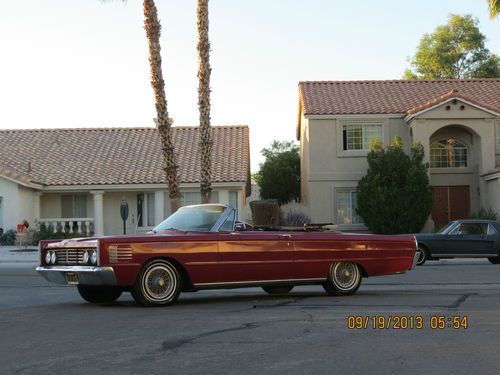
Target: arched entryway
<point x="454" y="159"/>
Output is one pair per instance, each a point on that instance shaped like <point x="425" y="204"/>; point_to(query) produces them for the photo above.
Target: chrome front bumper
<point x="415" y="260"/>
<point x="85" y="275"/>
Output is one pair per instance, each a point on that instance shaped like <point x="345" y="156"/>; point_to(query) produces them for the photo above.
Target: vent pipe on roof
<point x="29" y="167"/>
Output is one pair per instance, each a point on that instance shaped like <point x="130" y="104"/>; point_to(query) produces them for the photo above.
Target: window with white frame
<point x="188" y="198"/>
<point x="448" y="153"/>
<point x="146" y="209"/>
<point x="74" y="206"/>
<point x="233" y="199"/>
<point x="346" y="207"/>
<point x="359" y="137"/>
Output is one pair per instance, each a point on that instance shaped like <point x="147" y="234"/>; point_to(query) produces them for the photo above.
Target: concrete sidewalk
<point x="18" y="254"/>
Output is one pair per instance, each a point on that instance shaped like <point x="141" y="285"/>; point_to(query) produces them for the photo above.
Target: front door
<point x="253" y="256"/>
<point x="449" y="203"/>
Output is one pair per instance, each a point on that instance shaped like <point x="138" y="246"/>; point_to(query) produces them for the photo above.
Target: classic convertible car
<point x="204" y="246"/>
<point x="461" y="239"/>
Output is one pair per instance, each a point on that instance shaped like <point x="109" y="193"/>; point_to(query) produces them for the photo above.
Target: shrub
<point x="8" y="238"/>
<point x="294" y="215"/>
<point x="486" y="214"/>
<point x="394" y="196"/>
<point x="43" y="233"/>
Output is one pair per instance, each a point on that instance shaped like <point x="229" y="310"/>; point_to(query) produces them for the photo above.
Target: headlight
<point x="86" y="257"/>
<point x="93" y="257"/>
<point x="53" y="257"/>
<point x="47" y="257"/>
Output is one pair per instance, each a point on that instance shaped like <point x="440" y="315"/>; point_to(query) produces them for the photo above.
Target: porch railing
<point x="83" y="225"/>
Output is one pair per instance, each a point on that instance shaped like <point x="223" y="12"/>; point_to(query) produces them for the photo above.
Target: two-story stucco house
<point x="77" y="178"/>
<point x="457" y="122"/>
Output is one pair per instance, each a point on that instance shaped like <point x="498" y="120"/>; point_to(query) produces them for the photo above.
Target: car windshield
<point x="447" y="227"/>
<point x="200" y="218"/>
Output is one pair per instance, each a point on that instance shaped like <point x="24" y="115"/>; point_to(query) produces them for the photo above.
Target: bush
<point x="8" y="238"/>
<point x="294" y="215"/>
<point x="43" y="233"/>
<point x="395" y="196"/>
<point x="486" y="214"/>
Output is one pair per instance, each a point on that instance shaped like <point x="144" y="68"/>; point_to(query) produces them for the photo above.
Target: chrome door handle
<point x="285" y="235"/>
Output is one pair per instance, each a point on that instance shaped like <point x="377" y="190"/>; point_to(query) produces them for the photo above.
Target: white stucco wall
<point x="17" y="204"/>
<point x="493" y="189"/>
<point x="9" y="194"/>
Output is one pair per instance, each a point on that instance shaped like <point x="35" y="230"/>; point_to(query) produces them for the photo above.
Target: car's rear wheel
<point x="422" y="255"/>
<point x="282" y="289"/>
<point x="158" y="284"/>
<point x="344" y="279"/>
<point x="99" y="294"/>
<point x="494" y="260"/>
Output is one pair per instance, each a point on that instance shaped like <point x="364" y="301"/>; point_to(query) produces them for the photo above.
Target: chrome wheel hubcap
<point x="345" y="275"/>
<point x="159" y="283"/>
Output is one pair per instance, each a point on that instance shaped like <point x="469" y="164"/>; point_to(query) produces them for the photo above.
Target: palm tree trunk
<point x="153" y="29"/>
<point x="204" y="100"/>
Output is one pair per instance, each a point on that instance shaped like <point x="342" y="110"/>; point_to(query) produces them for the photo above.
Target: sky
<point x="84" y="63"/>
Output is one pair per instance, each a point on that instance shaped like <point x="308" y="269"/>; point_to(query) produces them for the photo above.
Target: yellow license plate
<point x="72" y="278"/>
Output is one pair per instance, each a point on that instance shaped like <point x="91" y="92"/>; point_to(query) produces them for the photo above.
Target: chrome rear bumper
<point x="85" y="275"/>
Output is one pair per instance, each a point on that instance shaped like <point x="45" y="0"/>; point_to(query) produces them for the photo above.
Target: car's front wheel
<point x="344" y="279"/>
<point x="494" y="260"/>
<point x="282" y="289"/>
<point x="158" y="284"/>
<point x="422" y="255"/>
<point x="99" y="294"/>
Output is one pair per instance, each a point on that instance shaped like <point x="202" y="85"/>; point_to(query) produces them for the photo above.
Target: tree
<point x="204" y="100"/>
<point x="394" y="196"/>
<point x="279" y="175"/>
<point x="494" y="6"/>
<point x="454" y="50"/>
<point x="164" y="123"/>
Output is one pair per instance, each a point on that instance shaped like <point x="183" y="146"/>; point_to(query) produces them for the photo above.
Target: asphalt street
<point x="46" y="328"/>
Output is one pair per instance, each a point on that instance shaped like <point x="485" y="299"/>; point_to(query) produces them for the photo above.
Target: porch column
<point x="159" y="206"/>
<point x="37" y="206"/>
<point x="98" y="212"/>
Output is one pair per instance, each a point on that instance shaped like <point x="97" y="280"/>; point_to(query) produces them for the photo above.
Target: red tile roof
<point x="118" y="155"/>
<point x="390" y="97"/>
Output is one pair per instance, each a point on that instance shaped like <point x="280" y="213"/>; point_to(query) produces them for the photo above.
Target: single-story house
<point x="77" y="178"/>
<point x="457" y="122"/>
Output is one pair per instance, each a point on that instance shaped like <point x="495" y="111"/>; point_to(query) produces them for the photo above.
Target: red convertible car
<point x="204" y="247"/>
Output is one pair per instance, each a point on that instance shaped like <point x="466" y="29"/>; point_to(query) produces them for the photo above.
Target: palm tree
<point x="164" y="123"/>
<point x="494" y="6"/>
<point x="204" y="100"/>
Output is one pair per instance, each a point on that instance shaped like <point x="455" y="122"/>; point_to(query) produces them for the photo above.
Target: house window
<point x="360" y="136"/>
<point x="73" y="206"/>
<point x="233" y="199"/>
<point x="189" y="198"/>
<point x="448" y="153"/>
<point x="346" y="207"/>
<point x="146" y="209"/>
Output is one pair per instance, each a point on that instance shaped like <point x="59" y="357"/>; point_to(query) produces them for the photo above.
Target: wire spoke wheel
<point x="158" y="284"/>
<point x="422" y="256"/>
<point x="344" y="279"/>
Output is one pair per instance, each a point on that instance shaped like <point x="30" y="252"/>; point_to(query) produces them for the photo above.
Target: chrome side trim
<point x="434" y="255"/>
<point x="236" y="284"/>
<point x="87" y="275"/>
